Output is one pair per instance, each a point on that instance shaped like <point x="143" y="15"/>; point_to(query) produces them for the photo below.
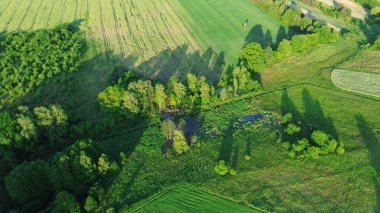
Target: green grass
<point x="332" y="183"/>
<point x="270" y="180"/>
<point x="219" y="24"/>
<point x="189" y="199"/>
<point x="365" y="83"/>
<point x="364" y="61"/>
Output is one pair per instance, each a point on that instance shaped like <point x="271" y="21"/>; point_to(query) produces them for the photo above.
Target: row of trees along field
<point x="27" y="59"/>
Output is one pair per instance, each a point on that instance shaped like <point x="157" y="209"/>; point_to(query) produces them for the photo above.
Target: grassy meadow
<point x="219" y="25"/>
<point x="270" y="180"/>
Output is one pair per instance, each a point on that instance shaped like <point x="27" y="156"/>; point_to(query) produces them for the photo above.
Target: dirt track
<point x="357" y="10"/>
<point x="311" y="16"/>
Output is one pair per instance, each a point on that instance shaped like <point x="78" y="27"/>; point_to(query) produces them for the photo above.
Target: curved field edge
<point x="359" y="82"/>
<point x="186" y="192"/>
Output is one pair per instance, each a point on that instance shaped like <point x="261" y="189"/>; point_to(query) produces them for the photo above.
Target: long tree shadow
<point x="256" y="34"/>
<point x="314" y="114"/>
<point x="373" y="146"/>
<point x="181" y="61"/>
<point x="370" y="27"/>
<point x="288" y="105"/>
<point x="227" y="144"/>
<point x="281" y="34"/>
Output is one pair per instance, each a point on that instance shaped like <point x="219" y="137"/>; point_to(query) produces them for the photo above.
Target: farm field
<point x="219" y="25"/>
<point x="189" y="199"/>
<point x="159" y="38"/>
<point x="365" y="83"/>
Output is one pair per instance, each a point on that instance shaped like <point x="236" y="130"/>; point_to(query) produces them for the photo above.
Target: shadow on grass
<point x="313" y="114"/>
<point x="370" y="27"/>
<point x="256" y="34"/>
<point x="181" y="61"/>
<point x="226" y="147"/>
<point x="373" y="146"/>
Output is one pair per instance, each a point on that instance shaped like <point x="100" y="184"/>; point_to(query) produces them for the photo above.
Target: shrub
<point x="287" y="118"/>
<point x="292" y="129"/>
<point x="331" y="146"/>
<point x="313" y="152"/>
<point x="292" y="154"/>
<point x="320" y="138"/>
<point x="340" y="150"/>
<point x="233" y="172"/>
<point x="286" y="145"/>
<point x="247" y="157"/>
<point x="221" y="168"/>
<point x="179" y="142"/>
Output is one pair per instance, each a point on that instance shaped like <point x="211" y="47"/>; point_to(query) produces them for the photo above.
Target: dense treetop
<point x="28" y="58"/>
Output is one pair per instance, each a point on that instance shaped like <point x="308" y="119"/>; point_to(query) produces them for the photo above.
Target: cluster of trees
<point x="36" y="166"/>
<point x="255" y="58"/>
<point x="67" y="178"/>
<point x="131" y="97"/>
<point x="293" y="18"/>
<point x="38" y="132"/>
<point x="301" y="144"/>
<point x="28" y="58"/>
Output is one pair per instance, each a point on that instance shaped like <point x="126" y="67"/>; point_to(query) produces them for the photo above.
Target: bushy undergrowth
<point x="304" y="142"/>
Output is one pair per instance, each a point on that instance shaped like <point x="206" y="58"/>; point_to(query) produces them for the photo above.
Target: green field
<point x="219" y="25"/>
<point x="347" y="182"/>
<point x="365" y="83"/>
<point x="189" y="199"/>
<point x="365" y="61"/>
<point x="332" y="183"/>
<point x="270" y="180"/>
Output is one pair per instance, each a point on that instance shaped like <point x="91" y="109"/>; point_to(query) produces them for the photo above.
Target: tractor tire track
<point x="4" y="10"/>
<point x="63" y="11"/>
<point x="15" y="8"/>
<point x="26" y="12"/>
<point x="117" y="29"/>
<point x="134" y="39"/>
<point x="104" y="33"/>
<point x="51" y="11"/>
<point x="35" y="16"/>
